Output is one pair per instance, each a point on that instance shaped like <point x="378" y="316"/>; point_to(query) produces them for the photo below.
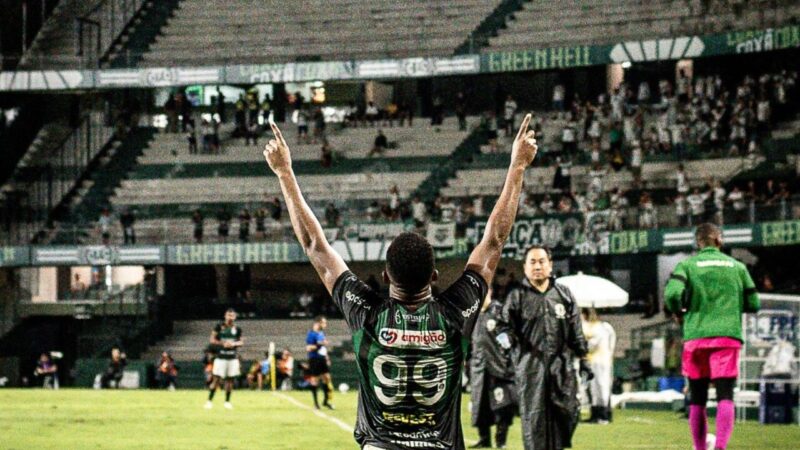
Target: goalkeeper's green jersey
<point x="711" y="290"/>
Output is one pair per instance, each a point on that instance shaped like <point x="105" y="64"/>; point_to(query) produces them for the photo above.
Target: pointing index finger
<point x="523" y="128"/>
<point x="276" y="131"/>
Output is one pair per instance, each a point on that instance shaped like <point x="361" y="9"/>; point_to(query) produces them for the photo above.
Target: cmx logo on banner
<point x="559" y="232"/>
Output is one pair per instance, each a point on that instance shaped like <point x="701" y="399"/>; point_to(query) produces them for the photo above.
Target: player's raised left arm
<point x="328" y="264"/>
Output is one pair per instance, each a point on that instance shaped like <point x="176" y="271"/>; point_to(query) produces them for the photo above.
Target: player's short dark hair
<point x="410" y="261"/>
<point x="538" y="247"/>
<point x="707" y="234"/>
<point x="319" y="319"/>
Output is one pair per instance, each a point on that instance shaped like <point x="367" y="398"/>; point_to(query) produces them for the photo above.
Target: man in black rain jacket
<point x="541" y="324"/>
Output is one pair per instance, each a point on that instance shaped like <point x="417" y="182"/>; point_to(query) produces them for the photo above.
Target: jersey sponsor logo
<point x="353" y="298"/>
<point x="715" y="263"/>
<point x="410" y="418"/>
<point x="410" y="318"/>
<point x="391" y="337"/>
<point x="471" y="310"/>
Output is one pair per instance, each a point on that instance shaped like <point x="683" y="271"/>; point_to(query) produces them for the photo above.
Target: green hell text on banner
<point x="542" y="59"/>
<point x="238" y="253"/>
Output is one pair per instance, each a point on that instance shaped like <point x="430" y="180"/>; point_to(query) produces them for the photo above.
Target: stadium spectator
<point x="197" y="221"/>
<point x="489" y="125"/>
<point x="275" y="209"/>
<point x="371" y="114"/>
<point x="461" y="111"/>
<point x="191" y="138"/>
<point x="223" y="219"/>
<point x="219" y="104"/>
<point x="172" y="114"/>
<point x="302" y="126"/>
<point x="394" y="201"/>
<point x="104" y="225"/>
<point x="437" y="111"/>
<point x="244" y="225"/>
<point x="127" y="219"/>
<point x="390" y="113"/>
<point x="419" y="212"/>
<point x="78" y="287"/>
<point x="253" y="130"/>
<point x="331" y="215"/>
<point x="305" y="301"/>
<point x="569" y="138"/>
<point x="319" y="125"/>
<point x="166" y="372"/>
<point x="113" y="374"/>
<point x="562" y="181"/>
<point x="406" y="112"/>
<point x="207" y="131"/>
<point x="697" y="206"/>
<point x="380" y="144"/>
<point x="559" y="94"/>
<point x="647" y="211"/>
<point x="46" y="372"/>
<point x="266" y="108"/>
<point x="637" y="159"/>
<point x="260" y="217"/>
<point x="509" y="115"/>
<point x="240" y="117"/>
<point x="326" y="153"/>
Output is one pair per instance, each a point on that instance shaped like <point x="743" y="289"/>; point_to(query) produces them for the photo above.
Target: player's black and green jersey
<point x="410" y="362"/>
<point x="227" y="334"/>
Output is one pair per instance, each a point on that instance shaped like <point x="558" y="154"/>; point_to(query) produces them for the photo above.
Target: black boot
<point x="594" y="416"/>
<point x="500" y="435"/>
<point x="485" y="440"/>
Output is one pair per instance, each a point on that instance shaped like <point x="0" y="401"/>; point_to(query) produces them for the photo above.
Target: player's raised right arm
<point x="485" y="257"/>
<point x="323" y="257"/>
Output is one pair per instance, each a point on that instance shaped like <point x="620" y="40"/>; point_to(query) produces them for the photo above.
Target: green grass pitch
<point x="87" y="419"/>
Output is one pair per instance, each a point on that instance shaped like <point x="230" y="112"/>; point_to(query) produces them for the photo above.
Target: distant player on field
<point x="708" y="293"/>
<point x="317" y="348"/>
<point x="228" y="338"/>
<point x="410" y="347"/>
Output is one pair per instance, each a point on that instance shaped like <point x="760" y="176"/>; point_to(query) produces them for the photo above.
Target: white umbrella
<point x="594" y="292"/>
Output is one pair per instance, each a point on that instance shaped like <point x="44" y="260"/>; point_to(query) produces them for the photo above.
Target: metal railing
<point x="98" y="30"/>
<point x="27" y="205"/>
<point x="181" y="231"/>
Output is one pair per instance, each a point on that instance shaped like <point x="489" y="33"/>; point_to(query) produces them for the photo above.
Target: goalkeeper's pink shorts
<point x="711" y="358"/>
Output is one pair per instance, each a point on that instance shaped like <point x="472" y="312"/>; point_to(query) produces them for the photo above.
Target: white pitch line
<point x="341" y="424"/>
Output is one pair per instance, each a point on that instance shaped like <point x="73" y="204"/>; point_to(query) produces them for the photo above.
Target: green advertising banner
<point x="779" y="233"/>
<point x="565" y="57"/>
<point x="15" y="256"/>
<point x="235" y="253"/>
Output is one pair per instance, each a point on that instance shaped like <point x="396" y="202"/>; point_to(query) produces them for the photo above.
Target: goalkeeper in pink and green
<point x="708" y="293"/>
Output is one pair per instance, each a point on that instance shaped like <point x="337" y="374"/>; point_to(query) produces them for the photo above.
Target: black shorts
<point x="318" y="366"/>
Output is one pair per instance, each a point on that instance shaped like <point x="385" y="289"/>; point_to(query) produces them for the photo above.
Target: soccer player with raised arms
<point x="410" y="346"/>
